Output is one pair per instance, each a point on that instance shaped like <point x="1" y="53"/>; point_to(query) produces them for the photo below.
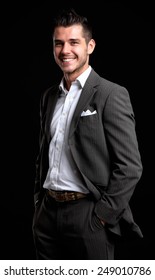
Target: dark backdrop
<point x="124" y="53"/>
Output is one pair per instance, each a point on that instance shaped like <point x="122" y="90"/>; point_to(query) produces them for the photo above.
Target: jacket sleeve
<point x="126" y="164"/>
<point x="40" y="160"/>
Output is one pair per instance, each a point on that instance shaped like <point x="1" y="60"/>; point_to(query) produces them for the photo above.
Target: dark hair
<point x="69" y="17"/>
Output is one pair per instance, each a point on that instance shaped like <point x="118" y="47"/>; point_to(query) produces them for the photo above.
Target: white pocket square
<point x="88" y="113"/>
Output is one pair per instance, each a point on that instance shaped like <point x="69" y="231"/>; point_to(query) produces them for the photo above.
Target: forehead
<point x="70" y="32"/>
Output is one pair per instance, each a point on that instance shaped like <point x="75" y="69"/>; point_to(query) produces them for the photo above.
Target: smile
<point x="67" y="59"/>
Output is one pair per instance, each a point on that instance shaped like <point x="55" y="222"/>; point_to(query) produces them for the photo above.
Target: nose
<point x="65" y="48"/>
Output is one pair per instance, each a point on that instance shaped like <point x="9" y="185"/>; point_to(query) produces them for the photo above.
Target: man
<point x="89" y="162"/>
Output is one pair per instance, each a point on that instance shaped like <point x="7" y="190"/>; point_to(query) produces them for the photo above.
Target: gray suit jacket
<point x="104" y="147"/>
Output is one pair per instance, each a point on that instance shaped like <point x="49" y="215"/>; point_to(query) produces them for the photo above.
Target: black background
<point x="124" y="53"/>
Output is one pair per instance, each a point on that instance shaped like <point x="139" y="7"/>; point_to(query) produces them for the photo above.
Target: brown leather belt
<point x="65" y="195"/>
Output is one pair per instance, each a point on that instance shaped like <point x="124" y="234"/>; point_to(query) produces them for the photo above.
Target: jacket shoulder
<point x="48" y="92"/>
<point x="102" y="83"/>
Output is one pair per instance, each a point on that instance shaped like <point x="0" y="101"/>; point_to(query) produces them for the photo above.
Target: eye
<point x="58" y="44"/>
<point x="74" y="43"/>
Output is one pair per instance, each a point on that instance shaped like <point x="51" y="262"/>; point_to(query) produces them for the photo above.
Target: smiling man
<point x="89" y="162"/>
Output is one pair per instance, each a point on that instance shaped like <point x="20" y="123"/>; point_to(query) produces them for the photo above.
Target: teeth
<point x="67" y="59"/>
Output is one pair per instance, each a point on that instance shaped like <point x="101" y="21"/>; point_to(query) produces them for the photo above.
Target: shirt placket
<point x="62" y="125"/>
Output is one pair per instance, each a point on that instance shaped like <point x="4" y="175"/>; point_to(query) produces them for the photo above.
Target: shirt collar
<point x="83" y="77"/>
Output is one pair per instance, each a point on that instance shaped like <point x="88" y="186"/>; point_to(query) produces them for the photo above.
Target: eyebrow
<point x="70" y="40"/>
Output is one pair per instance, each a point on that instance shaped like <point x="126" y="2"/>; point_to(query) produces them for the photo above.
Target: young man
<point x="89" y="162"/>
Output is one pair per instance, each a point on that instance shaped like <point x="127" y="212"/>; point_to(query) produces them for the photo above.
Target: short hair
<point x="69" y="17"/>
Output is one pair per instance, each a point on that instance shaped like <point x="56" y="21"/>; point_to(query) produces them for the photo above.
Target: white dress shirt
<point x="63" y="173"/>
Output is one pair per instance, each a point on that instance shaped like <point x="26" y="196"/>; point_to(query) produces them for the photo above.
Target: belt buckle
<point x="69" y="196"/>
<point x="73" y="196"/>
<point x="61" y="197"/>
<point x="66" y="197"/>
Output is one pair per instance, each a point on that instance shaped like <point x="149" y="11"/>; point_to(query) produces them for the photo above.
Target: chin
<point x="68" y="71"/>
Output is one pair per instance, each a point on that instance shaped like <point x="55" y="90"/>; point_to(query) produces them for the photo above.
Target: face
<point x="71" y="52"/>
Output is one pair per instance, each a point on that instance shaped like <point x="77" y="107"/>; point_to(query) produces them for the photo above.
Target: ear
<point x="91" y="46"/>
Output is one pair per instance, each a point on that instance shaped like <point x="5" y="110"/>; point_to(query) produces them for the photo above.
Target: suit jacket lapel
<point x="86" y="95"/>
<point x="50" y="110"/>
